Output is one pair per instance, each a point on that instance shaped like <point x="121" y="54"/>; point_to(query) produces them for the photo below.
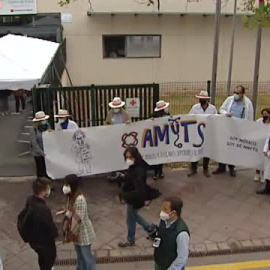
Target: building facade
<point x="126" y="41"/>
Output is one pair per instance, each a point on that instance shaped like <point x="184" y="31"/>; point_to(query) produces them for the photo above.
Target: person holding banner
<point x="238" y="106"/>
<point x="265" y="120"/>
<point x="64" y="122"/>
<point x="117" y="115"/>
<point x="134" y="193"/>
<point x="40" y="125"/>
<point x="203" y="107"/>
<point x="161" y="110"/>
<point x="266" y="152"/>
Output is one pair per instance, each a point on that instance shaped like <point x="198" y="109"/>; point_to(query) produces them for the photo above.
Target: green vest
<point x="166" y="253"/>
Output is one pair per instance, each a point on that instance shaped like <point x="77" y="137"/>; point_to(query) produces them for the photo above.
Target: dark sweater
<point x="43" y="227"/>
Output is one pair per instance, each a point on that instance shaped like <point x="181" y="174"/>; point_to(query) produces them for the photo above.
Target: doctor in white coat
<point x="239" y="106"/>
<point x="266" y="152"/>
<point x="64" y="122"/>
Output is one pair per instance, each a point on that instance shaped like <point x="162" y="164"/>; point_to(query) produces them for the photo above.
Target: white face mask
<point x="236" y="97"/>
<point x="66" y="190"/>
<point x="164" y="216"/>
<point x="116" y="110"/>
<point x="166" y="110"/>
<point x="61" y="120"/>
<point x="129" y="162"/>
<point x="48" y="193"/>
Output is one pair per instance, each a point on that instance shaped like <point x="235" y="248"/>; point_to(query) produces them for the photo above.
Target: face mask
<point x="43" y="126"/>
<point x="66" y="190"/>
<point x="48" y="193"/>
<point x="236" y="97"/>
<point x="203" y="102"/>
<point x="61" y="120"/>
<point x="129" y="162"/>
<point x="116" y="110"/>
<point x="166" y="110"/>
<point x="44" y="122"/>
<point x="265" y="118"/>
<point x="164" y="216"/>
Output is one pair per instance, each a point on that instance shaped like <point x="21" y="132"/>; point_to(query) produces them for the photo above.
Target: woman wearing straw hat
<point x="161" y="110"/>
<point x="117" y="115"/>
<point x="40" y="125"/>
<point x="203" y="107"/>
<point x="64" y="122"/>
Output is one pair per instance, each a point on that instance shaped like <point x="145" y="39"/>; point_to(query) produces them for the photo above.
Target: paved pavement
<point x="223" y="213"/>
<point x="11" y="127"/>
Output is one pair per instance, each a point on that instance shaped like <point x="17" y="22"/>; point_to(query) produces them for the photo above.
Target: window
<point x="134" y="46"/>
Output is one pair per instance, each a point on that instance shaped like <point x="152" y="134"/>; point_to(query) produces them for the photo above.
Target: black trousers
<point x="46" y="255"/>
<point x="158" y="169"/>
<point x="206" y="161"/>
<point x="17" y="101"/>
<point x="41" y="167"/>
<point x="222" y="167"/>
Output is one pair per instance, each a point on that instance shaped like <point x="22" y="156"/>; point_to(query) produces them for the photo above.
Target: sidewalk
<point x="223" y="214"/>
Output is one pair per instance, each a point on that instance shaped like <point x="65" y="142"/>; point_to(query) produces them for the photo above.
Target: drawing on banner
<point x="130" y="139"/>
<point x="175" y="126"/>
<point x="83" y="152"/>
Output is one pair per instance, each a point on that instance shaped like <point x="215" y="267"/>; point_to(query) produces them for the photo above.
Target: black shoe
<point x="155" y="178"/>
<point x="263" y="191"/>
<point x="161" y="176"/>
<point x="219" y="171"/>
<point x="232" y="173"/>
<point x="151" y="229"/>
<point x="126" y="244"/>
<point x="192" y="172"/>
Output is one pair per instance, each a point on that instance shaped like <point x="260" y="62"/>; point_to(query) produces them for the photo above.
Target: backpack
<point x="24" y="224"/>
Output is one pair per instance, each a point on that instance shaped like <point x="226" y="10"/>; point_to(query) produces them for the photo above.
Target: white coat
<point x="249" y="112"/>
<point x="71" y="125"/>
<point x="197" y="109"/>
<point x="266" y="160"/>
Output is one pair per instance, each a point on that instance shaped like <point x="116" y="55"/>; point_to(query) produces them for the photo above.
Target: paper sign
<point x="133" y="106"/>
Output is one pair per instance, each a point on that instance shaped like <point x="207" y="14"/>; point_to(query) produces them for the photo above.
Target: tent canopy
<point x="23" y="61"/>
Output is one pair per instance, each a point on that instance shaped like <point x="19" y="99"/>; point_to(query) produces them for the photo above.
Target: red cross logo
<point x="133" y="102"/>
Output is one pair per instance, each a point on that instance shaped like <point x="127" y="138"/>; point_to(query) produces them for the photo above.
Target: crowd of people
<point x="171" y="236"/>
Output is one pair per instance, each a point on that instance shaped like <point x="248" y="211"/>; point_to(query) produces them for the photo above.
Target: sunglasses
<point x="237" y="93"/>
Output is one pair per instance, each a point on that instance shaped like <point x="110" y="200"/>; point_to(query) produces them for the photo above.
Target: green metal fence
<point x="88" y="105"/>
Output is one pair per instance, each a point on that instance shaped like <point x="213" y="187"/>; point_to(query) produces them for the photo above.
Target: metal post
<point x="209" y="87"/>
<point x="257" y="64"/>
<point x="215" y="52"/>
<point x="232" y="50"/>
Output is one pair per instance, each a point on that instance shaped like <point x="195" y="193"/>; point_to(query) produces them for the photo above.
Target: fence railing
<point x="89" y="104"/>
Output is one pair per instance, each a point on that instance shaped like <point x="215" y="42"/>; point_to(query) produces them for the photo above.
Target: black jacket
<point x="134" y="189"/>
<point x="43" y="227"/>
<point x="159" y="114"/>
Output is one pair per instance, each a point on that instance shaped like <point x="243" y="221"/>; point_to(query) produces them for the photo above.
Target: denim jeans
<point x="134" y="217"/>
<point x="158" y="268"/>
<point x="85" y="258"/>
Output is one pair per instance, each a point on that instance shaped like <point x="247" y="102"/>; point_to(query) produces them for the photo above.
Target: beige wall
<point x="187" y="44"/>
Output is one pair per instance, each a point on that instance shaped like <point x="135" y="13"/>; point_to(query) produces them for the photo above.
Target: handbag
<point x="71" y="227"/>
<point x="151" y="194"/>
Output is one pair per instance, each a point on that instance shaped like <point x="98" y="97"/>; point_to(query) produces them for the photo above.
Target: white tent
<point x="23" y="61"/>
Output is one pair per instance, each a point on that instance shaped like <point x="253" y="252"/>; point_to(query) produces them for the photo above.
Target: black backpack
<point x="24" y="224"/>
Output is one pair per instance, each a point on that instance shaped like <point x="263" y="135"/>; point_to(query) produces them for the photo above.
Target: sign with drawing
<point x="133" y="106"/>
<point x="181" y="138"/>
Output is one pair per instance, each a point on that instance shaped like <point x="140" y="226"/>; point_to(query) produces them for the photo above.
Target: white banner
<point x="18" y="7"/>
<point x="97" y="150"/>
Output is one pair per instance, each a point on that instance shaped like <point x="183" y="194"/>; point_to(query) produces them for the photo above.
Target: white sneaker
<point x="262" y="180"/>
<point x="257" y="177"/>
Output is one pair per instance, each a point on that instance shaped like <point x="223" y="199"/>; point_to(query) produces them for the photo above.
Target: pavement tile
<point x="200" y="248"/>
<point x="211" y="247"/>
<point x="223" y="246"/>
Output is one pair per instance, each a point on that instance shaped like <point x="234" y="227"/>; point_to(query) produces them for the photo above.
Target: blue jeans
<point x="85" y="258"/>
<point x="158" y="268"/>
<point x="134" y="217"/>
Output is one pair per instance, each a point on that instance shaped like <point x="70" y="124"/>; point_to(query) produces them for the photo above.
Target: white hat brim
<point x="41" y="119"/>
<point x="118" y="106"/>
<point x="203" y="97"/>
<point x="62" y="116"/>
<point x="163" y="108"/>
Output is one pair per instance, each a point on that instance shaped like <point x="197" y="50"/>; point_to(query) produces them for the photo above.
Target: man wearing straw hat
<point x="117" y="115"/>
<point x="161" y="110"/>
<point x="64" y="122"/>
<point x="203" y="107"/>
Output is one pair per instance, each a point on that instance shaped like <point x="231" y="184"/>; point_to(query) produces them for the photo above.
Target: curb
<point x="17" y="179"/>
<point x="108" y="256"/>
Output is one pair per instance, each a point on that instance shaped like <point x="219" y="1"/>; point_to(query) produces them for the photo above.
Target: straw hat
<point x="161" y="105"/>
<point x="203" y="95"/>
<point x="117" y="103"/>
<point x="40" y="116"/>
<point x="62" y="114"/>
